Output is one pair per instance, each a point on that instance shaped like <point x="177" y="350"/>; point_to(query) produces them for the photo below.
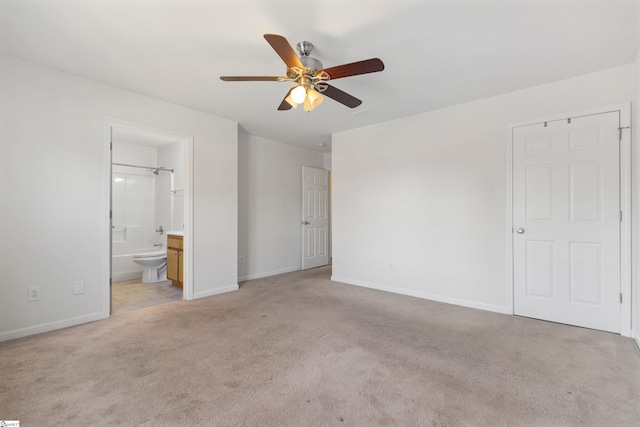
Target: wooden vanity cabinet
<point x="175" y="271"/>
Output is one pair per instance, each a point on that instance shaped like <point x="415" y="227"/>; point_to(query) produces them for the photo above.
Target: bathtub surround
<point x="300" y="350"/>
<point x="134" y="195"/>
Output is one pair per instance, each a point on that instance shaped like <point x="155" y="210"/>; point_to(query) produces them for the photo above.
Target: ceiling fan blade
<point x="285" y="105"/>
<point x="284" y="49"/>
<point x="372" y="65"/>
<point x="342" y="97"/>
<point x="249" y="78"/>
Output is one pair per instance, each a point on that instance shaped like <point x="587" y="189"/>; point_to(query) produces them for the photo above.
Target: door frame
<point x="627" y="265"/>
<point x="109" y="123"/>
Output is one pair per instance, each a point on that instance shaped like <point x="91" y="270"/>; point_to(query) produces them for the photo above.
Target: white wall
<point x="635" y="133"/>
<point x="427" y="193"/>
<point x="270" y="205"/>
<point x="327" y="161"/>
<point x="53" y="215"/>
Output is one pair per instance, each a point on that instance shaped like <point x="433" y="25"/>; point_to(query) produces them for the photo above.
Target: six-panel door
<point x="315" y="217"/>
<point x="566" y="219"/>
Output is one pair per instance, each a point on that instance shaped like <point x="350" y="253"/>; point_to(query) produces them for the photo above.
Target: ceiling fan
<point x="310" y="76"/>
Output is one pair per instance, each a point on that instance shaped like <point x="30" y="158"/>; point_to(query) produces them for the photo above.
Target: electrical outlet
<point x="78" y="287"/>
<point x="241" y="259"/>
<point x="34" y="293"/>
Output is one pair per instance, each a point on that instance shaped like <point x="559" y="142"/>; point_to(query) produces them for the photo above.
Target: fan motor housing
<point x="304" y="49"/>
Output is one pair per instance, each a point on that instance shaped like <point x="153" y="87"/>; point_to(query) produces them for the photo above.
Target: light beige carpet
<point x="300" y="350"/>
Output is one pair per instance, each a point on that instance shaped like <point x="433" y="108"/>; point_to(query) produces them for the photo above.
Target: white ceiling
<point x="437" y="53"/>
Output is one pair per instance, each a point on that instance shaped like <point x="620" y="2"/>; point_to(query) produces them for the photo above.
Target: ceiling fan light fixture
<point x="307" y="105"/>
<point x="310" y="76"/>
<point x="299" y="94"/>
<point x="314" y="97"/>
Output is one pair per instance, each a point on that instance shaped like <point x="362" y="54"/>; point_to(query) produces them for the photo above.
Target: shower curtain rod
<point x="151" y="168"/>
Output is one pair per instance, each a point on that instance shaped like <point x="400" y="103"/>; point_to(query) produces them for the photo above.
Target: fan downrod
<point x="304" y="48"/>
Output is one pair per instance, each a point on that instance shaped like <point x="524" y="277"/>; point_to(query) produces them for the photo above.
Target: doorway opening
<point x="149" y="216"/>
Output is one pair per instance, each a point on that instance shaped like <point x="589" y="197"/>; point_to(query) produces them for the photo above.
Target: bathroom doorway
<point x="149" y="201"/>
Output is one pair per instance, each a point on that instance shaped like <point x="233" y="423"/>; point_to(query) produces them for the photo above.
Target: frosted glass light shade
<point x="314" y="97"/>
<point x="298" y="94"/>
<point x="312" y="100"/>
<point x="307" y="105"/>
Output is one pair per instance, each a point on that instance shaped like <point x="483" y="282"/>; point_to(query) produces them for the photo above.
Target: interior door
<point x="315" y="217"/>
<point x="566" y="221"/>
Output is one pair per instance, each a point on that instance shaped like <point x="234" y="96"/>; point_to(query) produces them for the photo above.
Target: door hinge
<point x="620" y="297"/>
<point x="110" y="213"/>
<point x="620" y="216"/>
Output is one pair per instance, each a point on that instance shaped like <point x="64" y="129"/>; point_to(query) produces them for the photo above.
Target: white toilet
<point x="155" y="266"/>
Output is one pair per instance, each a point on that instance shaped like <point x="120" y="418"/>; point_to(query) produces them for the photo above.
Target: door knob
<point x="520" y="230"/>
<point x="305" y="222"/>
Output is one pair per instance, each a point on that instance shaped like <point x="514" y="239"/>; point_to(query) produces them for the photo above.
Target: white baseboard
<point x="269" y="273"/>
<point x="425" y="295"/>
<point x="637" y="341"/>
<point x="52" y="326"/>
<point x="216" y="291"/>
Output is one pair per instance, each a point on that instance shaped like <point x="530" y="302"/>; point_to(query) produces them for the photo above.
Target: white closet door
<point x="566" y="217"/>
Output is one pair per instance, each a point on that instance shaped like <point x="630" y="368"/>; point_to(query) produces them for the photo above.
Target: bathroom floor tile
<point x="123" y="293"/>
<point x="116" y="305"/>
<point x="169" y="292"/>
<point x="133" y="294"/>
